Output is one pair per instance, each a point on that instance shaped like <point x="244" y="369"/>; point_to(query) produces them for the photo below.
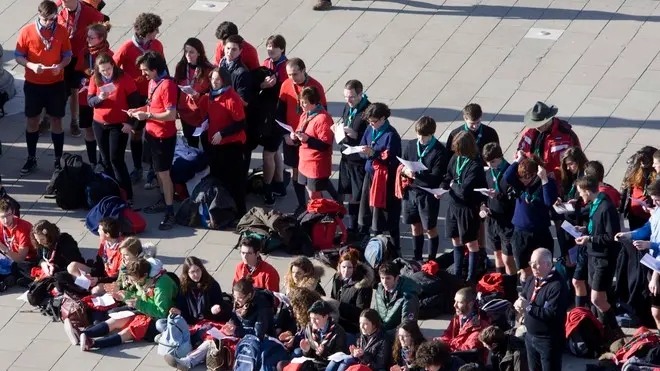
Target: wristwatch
<point x="150" y="115"/>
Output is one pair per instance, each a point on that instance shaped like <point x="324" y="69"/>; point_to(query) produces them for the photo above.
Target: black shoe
<point x="167" y="222"/>
<point x="269" y="199"/>
<point x="30" y="166"/>
<point x="279" y="190"/>
<point x="57" y="165"/>
<point x="156" y="208"/>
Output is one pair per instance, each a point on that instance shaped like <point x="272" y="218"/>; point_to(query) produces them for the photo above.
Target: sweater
<point x="64" y="253"/>
<point x="390" y="141"/>
<point x="461" y="185"/>
<point x="532" y="211"/>
<point x="264" y="275"/>
<point x="483" y="135"/>
<point x="435" y="160"/>
<point x="605" y="225"/>
<point x="259" y="317"/>
<point x="155" y="300"/>
<point x="546" y="314"/>
<point x="337" y="343"/>
<point x="358" y="123"/>
<point x="195" y="306"/>
<point x="503" y="204"/>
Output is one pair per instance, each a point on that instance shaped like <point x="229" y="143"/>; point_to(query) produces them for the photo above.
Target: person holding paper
<point x="111" y="124"/>
<point x="16" y="246"/>
<point x="55" y="250"/>
<point x="44" y="49"/>
<point x="146" y="28"/>
<point x="602" y="251"/>
<point x="464" y="174"/>
<point x="193" y="71"/>
<point x="634" y="189"/>
<point x="421" y="208"/>
<point x="573" y="162"/>
<point x="289" y="112"/>
<point x="323" y="336"/>
<point x="222" y="33"/>
<point x="351" y="167"/>
<point x="373" y="348"/>
<point x="483" y="134"/>
<point x="380" y="210"/>
<point x="531" y="216"/>
<point x="160" y="115"/>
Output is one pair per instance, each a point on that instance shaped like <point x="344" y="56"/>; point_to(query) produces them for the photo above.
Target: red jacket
<point x="464" y="338"/>
<point x="186" y="107"/>
<point x="264" y="275"/>
<point x="576" y="315"/>
<point x="612" y="193"/>
<point x="83" y="65"/>
<point x="314" y="163"/>
<point x="378" y="189"/>
<point x="222" y="112"/>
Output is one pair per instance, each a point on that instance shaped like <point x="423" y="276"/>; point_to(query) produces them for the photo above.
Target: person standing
<point x="250" y="55"/>
<point x="76" y="16"/>
<point x="44" y="49"/>
<point x="160" y="115"/>
<point x="483" y="134"/>
<point x="544" y="302"/>
<point x="146" y="28"/>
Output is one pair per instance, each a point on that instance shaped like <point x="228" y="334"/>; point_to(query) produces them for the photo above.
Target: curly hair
<point x="309" y="279"/>
<point x="301" y="299"/>
<point x="146" y="23"/>
<point x="529" y="166"/>
<point x="639" y="168"/>
<point x="432" y="353"/>
<point x="139" y="268"/>
<point x="412" y="328"/>
<point x="47" y="229"/>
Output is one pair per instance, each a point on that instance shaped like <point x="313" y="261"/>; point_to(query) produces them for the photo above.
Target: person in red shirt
<point x="76" y="16"/>
<point x="16" y="246"/>
<point x="110" y="94"/>
<point x="223" y="107"/>
<point x="97" y="40"/>
<point x="146" y="28"/>
<point x="249" y="54"/>
<point x="263" y="274"/>
<point x="160" y="114"/>
<point x="289" y="111"/>
<point x="315" y="136"/>
<point x="43" y="48"/>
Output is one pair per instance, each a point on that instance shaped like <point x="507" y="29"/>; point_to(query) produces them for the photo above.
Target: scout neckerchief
<point x="353" y="111"/>
<point x="571" y="192"/>
<point x="274" y="65"/>
<point x="309" y="116"/>
<point x="9" y="241"/>
<point x="377" y="133"/>
<point x="460" y="167"/>
<point x="141" y="44"/>
<point x="107" y="245"/>
<point x="536" y="195"/>
<point x="218" y="92"/>
<point x="106" y="80"/>
<point x="191" y="72"/>
<point x="319" y="339"/>
<point x="500" y="172"/>
<point x="540" y="282"/>
<point x="420" y="153"/>
<point x="48" y="44"/>
<point x="71" y="28"/>
<point x="478" y="133"/>
<point x="159" y="80"/>
<point x="592" y="211"/>
<point x="302" y="86"/>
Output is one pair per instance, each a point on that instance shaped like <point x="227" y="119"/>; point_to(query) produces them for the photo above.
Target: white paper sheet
<point x="187" y="89"/>
<point x="351" y="150"/>
<point x="285" y="126"/>
<point x="103" y="301"/>
<point x="83" y="281"/>
<point x="217" y="334"/>
<point x="483" y="191"/>
<point x="49" y="67"/>
<point x="108" y="88"/>
<point x="23" y="297"/>
<point x="301" y="359"/>
<point x="651" y="262"/>
<point x="200" y="130"/>
<point x="339" y="356"/>
<point x="570" y="228"/>
<point x="340" y="134"/>
<point x="121" y="314"/>
<point x="434" y="191"/>
<point x="414" y="166"/>
<point x="283" y="298"/>
<point x="564" y="208"/>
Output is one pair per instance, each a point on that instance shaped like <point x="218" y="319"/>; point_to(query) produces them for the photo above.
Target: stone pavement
<point x="420" y="56"/>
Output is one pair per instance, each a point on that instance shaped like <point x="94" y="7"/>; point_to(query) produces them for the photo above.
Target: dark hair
<point x="277" y="41"/>
<point x="425" y="125"/>
<point x="111" y="227"/>
<point x="415" y="332"/>
<point x="372" y="316"/>
<point x="48" y="229"/>
<point x="146" y="23"/>
<point x="588" y="183"/>
<point x="225" y="75"/>
<point x="576" y="155"/>
<point x="154" y="61"/>
<point x="465" y="145"/>
<point x="377" y="111"/>
<point x="139" y="268"/>
<point x="203" y="64"/>
<point x="311" y="94"/>
<point x="103" y="58"/>
<point x="245" y="286"/>
<point x="234" y="39"/>
<point x="354" y="85"/>
<point x="528" y="167"/>
<point x="594" y="169"/>
<point x="432" y="353"/>
<point x="296" y="62"/>
<point x="225" y="29"/>
<point x="491" y="151"/>
<point x="47" y="8"/>
<point x="492" y="335"/>
<point x="186" y="283"/>
<point x="638" y="168"/>
<point x="654" y="188"/>
<point x="251" y="242"/>
<point x="6" y="205"/>
<point x="389" y="269"/>
<point x="472" y="112"/>
<point x="320" y="307"/>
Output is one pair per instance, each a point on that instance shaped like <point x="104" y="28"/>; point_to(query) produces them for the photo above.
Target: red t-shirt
<point x="87" y="16"/>
<point x="635" y="208"/>
<point x="290" y="95"/>
<point x="19" y="236"/>
<point x="222" y="111"/>
<point x="279" y="68"/>
<point x="85" y="64"/>
<point x="249" y="55"/>
<point x="31" y="46"/>
<point x="111" y="257"/>
<point x="110" y="110"/>
<point x="162" y="97"/>
<point x="126" y="56"/>
<point x="314" y="163"/>
<point x="186" y="108"/>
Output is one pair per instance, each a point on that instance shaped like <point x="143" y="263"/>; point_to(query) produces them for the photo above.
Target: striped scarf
<point x="319" y="340"/>
<point x="540" y="282"/>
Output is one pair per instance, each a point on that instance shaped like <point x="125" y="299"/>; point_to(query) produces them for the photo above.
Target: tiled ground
<point x="420" y="56"/>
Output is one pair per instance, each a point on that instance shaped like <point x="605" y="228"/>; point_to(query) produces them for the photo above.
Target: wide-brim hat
<point x="540" y="114"/>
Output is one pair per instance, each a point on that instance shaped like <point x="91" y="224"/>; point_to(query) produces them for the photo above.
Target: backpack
<point x="584" y="333"/>
<point x="255" y="180"/>
<point x="321" y="220"/>
<point x="248" y="354"/>
<point x="132" y="222"/>
<point x="638" y="364"/>
<point x="272" y="352"/>
<point x="75" y="311"/>
<point x="70" y="181"/>
<point x="174" y="339"/>
<point x="100" y="187"/>
<point x="379" y="249"/>
<point x="219" y="358"/>
<point x="549" y="146"/>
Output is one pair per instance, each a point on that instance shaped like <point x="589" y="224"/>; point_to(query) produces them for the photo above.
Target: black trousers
<point x="544" y="353"/>
<point x="112" y="144"/>
<point x="227" y="165"/>
<point x="188" y="131"/>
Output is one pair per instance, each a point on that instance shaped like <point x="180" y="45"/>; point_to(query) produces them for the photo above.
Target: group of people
<point x="238" y="103"/>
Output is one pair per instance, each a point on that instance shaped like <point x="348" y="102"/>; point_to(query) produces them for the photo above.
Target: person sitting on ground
<point x="303" y="273"/>
<point x="301" y="299"/>
<point x="352" y="286"/>
<point x="463" y="331"/>
<point x="397" y="297"/>
<point x="253" y="311"/>
<point x="435" y="355"/>
<point x="507" y="352"/>
<point x="372" y="348"/>
<point x="262" y="274"/>
<point x="19" y="255"/>
<point x="408" y="339"/>
<point x="56" y="250"/>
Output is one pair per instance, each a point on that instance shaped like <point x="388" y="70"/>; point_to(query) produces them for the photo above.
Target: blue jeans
<point x="544" y="353"/>
<point x="341" y="366"/>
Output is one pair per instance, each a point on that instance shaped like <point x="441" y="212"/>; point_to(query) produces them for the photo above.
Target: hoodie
<point x="158" y="294"/>
<point x="353" y="295"/>
<point x="404" y="305"/>
<point x="650" y="232"/>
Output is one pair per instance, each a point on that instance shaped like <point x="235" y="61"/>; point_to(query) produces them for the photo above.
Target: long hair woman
<point x="639" y="175"/>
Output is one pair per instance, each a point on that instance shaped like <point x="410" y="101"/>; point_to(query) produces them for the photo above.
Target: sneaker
<point x="85" y="342"/>
<point x="167" y="222"/>
<point x="152" y="180"/>
<point x="57" y="165"/>
<point x="269" y="199"/>
<point x="181" y="364"/>
<point x="75" y="129"/>
<point x="44" y="125"/>
<point x="29" y="166"/>
<point x="156" y="208"/>
<point x="136" y="176"/>
<point x="323" y="5"/>
<point x="71" y="332"/>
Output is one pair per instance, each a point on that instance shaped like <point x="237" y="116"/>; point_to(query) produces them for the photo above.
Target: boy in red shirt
<point x="263" y="274"/>
<point x="15" y="247"/>
<point x="44" y="50"/>
<point x="160" y="114"/>
<point x="249" y="54"/>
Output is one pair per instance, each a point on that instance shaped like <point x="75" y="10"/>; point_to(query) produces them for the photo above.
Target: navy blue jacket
<point x="390" y="140"/>
<point x="532" y="212"/>
<point x="196" y="306"/>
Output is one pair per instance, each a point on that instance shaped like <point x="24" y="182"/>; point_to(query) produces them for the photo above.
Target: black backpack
<point x="100" y="187"/>
<point x="586" y="341"/>
<point x="69" y="182"/>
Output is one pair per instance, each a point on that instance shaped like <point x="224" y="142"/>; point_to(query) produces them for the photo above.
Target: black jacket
<point x="377" y="350"/>
<point x="510" y="356"/>
<point x="546" y="315"/>
<point x="66" y="252"/>
<point x="196" y="306"/>
<point x="337" y="343"/>
<point x="359" y="124"/>
<point x="353" y="296"/>
<point x="259" y="317"/>
<point x="435" y="160"/>
<point x="241" y="81"/>
<point x="485" y="134"/>
<point x="461" y="190"/>
<point x="606" y="224"/>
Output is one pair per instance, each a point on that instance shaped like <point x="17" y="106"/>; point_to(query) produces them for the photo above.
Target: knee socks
<point x="58" y="143"/>
<point x="353" y="211"/>
<point x="501" y="270"/>
<point x="31" y="140"/>
<point x="98" y="330"/>
<point x="473" y="260"/>
<point x="581" y="301"/>
<point x="136" y="153"/>
<point x="301" y="194"/>
<point x="418" y="246"/>
<point x="435" y="244"/>
<point x="458" y="261"/>
<point x="108" y="341"/>
<point x="91" y="151"/>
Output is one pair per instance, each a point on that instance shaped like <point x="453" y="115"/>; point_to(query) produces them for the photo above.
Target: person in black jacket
<point x="464" y="175"/>
<point x="544" y="301"/>
<point x="602" y="250"/>
<point x="421" y="208"/>
<point x="482" y="134"/>
<point x="55" y="250"/>
<point x="352" y="286"/>
<point x="507" y="352"/>
<point x="372" y="348"/>
<point x="408" y="339"/>
<point x="351" y="167"/>
<point x="253" y="311"/>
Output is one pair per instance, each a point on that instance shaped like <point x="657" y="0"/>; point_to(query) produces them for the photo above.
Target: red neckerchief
<point x="538" y="283"/>
<point x="71" y="28"/>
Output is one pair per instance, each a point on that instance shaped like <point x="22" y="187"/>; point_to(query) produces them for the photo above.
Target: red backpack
<point x="321" y="221"/>
<point x="134" y="221"/>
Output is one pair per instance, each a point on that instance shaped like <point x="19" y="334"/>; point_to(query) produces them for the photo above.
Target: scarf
<point x="226" y="63"/>
<point x="218" y="92"/>
<point x="540" y="282"/>
<point x="328" y="334"/>
<point x="309" y="116"/>
<point x="592" y="211"/>
<point x="429" y="145"/>
<point x="478" y="133"/>
<point x="146" y="290"/>
<point x="48" y="44"/>
<point x="71" y="28"/>
<point x="377" y="133"/>
<point x="242" y="310"/>
<point x="353" y="111"/>
<point x="500" y="172"/>
<point x="93" y="51"/>
<point x="274" y="65"/>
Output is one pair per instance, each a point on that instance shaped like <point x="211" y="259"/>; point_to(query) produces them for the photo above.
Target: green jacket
<point x="404" y="305"/>
<point x="155" y="299"/>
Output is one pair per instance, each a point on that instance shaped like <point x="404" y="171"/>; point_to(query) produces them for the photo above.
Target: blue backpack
<point x="174" y="338"/>
<point x="272" y="353"/>
<point x="379" y="249"/>
<point x="248" y="354"/>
